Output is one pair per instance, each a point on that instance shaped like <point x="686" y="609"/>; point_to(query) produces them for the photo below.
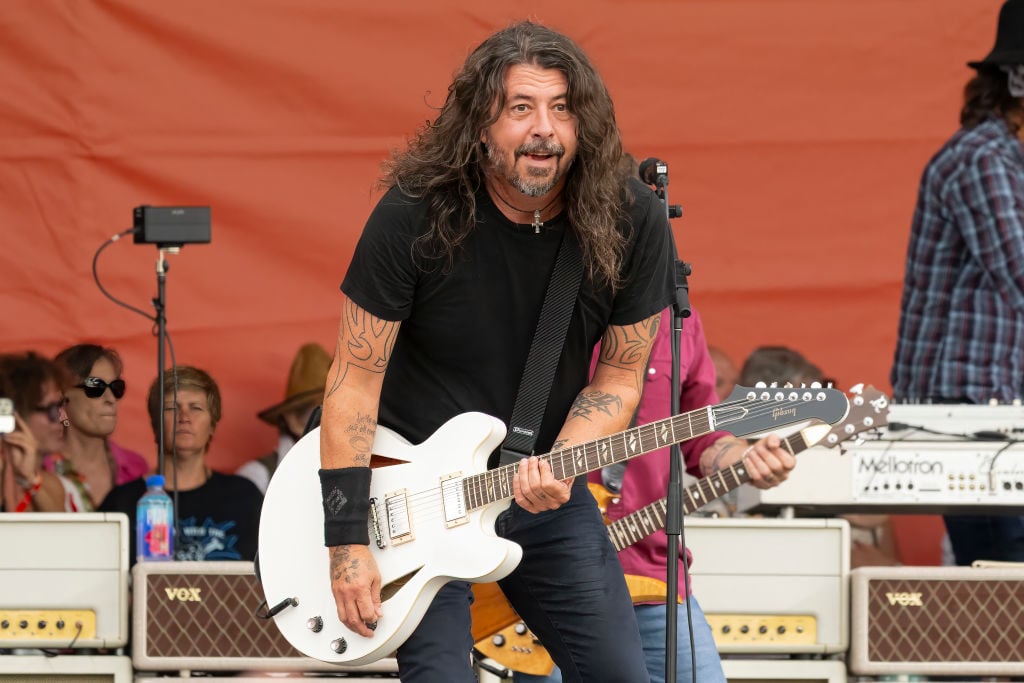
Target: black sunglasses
<point x="95" y="387"/>
<point x="52" y="410"/>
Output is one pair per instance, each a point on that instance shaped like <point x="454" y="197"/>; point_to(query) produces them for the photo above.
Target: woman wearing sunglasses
<point x="34" y="384"/>
<point x="90" y="461"/>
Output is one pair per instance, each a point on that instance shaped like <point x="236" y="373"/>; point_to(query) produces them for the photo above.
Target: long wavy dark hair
<point x="988" y="94"/>
<point x="445" y="161"/>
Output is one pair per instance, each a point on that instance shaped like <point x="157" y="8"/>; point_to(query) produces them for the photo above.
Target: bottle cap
<point x="155" y="480"/>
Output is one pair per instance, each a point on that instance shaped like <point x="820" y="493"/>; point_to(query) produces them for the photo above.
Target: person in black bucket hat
<point x="961" y="329"/>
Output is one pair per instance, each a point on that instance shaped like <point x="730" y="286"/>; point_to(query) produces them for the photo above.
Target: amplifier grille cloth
<point x="965" y="621"/>
<point x="222" y="624"/>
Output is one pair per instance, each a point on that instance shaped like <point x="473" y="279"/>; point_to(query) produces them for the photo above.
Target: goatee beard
<point x="496" y="156"/>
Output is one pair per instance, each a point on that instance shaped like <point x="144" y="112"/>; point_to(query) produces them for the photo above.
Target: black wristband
<point x="346" y="499"/>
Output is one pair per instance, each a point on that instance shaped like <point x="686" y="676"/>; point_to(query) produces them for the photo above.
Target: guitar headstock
<point x="762" y="408"/>
<point x="869" y="409"/>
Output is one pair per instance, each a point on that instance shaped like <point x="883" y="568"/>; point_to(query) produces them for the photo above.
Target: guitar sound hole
<point x="388" y="590"/>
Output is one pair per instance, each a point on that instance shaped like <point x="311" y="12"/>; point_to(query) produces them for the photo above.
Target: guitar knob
<point x="339" y="645"/>
<point x="521" y="629"/>
<point x="498" y="640"/>
<point x="315" y="624"/>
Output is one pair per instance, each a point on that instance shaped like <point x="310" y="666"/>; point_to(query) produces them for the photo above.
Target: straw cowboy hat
<point x="1009" y="47"/>
<point x="306" y="381"/>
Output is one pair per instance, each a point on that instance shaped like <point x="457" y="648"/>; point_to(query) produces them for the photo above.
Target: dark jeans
<point x="986" y="537"/>
<point x="568" y="588"/>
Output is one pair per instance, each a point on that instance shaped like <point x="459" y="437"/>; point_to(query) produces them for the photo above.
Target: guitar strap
<point x="545" y="351"/>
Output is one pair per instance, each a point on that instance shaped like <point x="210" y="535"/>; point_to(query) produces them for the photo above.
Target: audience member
<point x="304" y="391"/>
<point x="35" y="386"/>
<point x="726" y="374"/>
<point x="90" y="461"/>
<point x="779" y="364"/>
<point x="217" y="514"/>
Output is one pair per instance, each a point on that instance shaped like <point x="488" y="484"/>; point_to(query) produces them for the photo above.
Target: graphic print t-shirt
<point x="220" y="520"/>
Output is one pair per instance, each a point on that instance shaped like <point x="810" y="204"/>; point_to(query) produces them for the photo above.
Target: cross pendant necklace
<point x="537" y="222"/>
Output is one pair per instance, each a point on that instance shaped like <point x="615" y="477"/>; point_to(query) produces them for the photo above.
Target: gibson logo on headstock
<point x="183" y="594"/>
<point x="780" y="412"/>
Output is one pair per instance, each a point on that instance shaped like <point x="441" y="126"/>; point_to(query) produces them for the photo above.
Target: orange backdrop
<point x="795" y="133"/>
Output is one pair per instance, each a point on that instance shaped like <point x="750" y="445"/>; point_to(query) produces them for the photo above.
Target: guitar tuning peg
<point x="815" y="385"/>
<point x="787" y="385"/>
<point x="760" y="385"/>
<point x="774" y="385"/>
<point x="856" y="388"/>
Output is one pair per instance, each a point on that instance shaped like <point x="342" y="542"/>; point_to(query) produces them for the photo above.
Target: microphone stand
<point x="674" y="516"/>
<point x="160" y="305"/>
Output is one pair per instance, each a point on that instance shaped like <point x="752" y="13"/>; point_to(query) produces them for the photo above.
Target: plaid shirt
<point x="961" y="331"/>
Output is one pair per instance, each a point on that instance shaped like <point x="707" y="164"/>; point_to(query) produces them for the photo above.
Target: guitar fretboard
<point x="494" y="485"/>
<point x="641" y="523"/>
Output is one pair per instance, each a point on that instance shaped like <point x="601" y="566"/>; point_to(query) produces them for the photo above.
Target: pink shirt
<point x="129" y="466"/>
<point x="646" y="477"/>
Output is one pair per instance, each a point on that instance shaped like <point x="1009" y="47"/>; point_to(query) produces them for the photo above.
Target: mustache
<point x="540" y="147"/>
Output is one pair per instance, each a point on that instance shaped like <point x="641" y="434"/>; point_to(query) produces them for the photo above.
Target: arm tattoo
<point x="367" y="339"/>
<point x="595" y="401"/>
<point x="342" y="566"/>
<point x="716" y="458"/>
<point x="629" y="346"/>
<point x="361" y="438"/>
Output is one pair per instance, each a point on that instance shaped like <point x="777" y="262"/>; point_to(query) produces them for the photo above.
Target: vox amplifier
<point x="201" y="616"/>
<point x="948" y="621"/>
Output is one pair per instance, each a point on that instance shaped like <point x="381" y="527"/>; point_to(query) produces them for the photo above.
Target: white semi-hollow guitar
<point x="432" y="516"/>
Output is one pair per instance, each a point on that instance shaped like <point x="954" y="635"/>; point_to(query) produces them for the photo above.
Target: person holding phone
<point x="35" y="386"/>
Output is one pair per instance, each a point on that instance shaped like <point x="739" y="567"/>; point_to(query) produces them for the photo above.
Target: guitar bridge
<point x="396" y="506"/>
<point x="375" y="525"/>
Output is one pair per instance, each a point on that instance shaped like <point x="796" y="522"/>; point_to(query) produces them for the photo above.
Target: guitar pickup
<point x="396" y="506"/>
<point x="453" y="501"/>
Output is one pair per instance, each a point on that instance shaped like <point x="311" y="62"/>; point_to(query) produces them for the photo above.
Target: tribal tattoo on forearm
<point x="591" y="402"/>
<point x="367" y="341"/>
<point x="628" y="346"/>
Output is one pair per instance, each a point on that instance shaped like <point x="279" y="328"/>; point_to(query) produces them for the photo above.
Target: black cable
<point x="982" y="435"/>
<point x="96" y="276"/>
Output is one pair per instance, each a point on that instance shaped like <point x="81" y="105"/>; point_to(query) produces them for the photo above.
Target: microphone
<point x="654" y="172"/>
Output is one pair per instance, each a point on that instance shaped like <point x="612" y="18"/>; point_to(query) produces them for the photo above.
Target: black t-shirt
<point x="220" y="520"/>
<point x="466" y="331"/>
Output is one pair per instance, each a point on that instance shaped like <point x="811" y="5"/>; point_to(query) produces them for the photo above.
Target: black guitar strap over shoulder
<point x="545" y="351"/>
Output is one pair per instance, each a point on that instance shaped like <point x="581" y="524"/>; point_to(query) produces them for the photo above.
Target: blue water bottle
<point x="154" y="525"/>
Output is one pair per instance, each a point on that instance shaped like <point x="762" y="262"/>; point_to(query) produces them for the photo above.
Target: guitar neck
<point x="494" y="485"/>
<point x="641" y="523"/>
